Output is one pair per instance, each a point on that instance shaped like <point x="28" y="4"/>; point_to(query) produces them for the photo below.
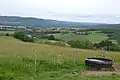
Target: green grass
<point x="114" y="41"/>
<point x="4" y="32"/>
<point x="52" y="42"/>
<point x="53" y="62"/>
<point x="94" y="37"/>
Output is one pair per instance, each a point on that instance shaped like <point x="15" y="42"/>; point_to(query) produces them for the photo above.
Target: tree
<point x="108" y="45"/>
<point x="51" y="37"/>
<point x="7" y="34"/>
<point x="23" y="37"/>
<point x="81" y="44"/>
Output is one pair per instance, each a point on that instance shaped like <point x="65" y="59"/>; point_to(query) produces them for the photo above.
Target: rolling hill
<point x="15" y="20"/>
<point x="38" y="22"/>
<point x="109" y="26"/>
<point x="52" y="62"/>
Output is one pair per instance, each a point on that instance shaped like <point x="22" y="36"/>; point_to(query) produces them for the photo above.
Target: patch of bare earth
<point x="100" y="72"/>
<point x="97" y="73"/>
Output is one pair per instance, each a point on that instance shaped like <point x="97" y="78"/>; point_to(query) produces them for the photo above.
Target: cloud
<point x="72" y="10"/>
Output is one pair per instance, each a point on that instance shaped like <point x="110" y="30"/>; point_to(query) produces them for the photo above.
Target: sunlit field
<point x="18" y="61"/>
<point x="95" y="37"/>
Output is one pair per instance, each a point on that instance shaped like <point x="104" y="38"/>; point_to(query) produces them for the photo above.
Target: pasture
<point x="18" y="61"/>
<point x="4" y="32"/>
<point x="94" y="37"/>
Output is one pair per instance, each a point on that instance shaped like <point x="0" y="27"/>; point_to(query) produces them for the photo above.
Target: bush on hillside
<point x="81" y="44"/>
<point x="51" y="37"/>
<point x="107" y="45"/>
<point x="7" y="34"/>
<point x="23" y="37"/>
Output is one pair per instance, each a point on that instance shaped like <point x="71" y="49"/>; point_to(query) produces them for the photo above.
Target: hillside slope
<point x="31" y="61"/>
<point x="10" y="46"/>
<point x="15" y="20"/>
<point x="38" y="22"/>
<point x="109" y="26"/>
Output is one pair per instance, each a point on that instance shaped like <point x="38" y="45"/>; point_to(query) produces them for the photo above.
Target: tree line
<point x="112" y="34"/>
<point x="30" y="38"/>
<point x="107" y="45"/>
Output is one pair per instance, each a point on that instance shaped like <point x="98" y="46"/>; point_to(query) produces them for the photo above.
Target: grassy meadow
<point x="90" y="37"/>
<point x="52" y="42"/>
<point x="4" y="32"/>
<point x="18" y="61"/>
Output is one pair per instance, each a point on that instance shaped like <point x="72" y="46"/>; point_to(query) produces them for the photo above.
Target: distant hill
<point x="109" y="26"/>
<point x="16" y="20"/>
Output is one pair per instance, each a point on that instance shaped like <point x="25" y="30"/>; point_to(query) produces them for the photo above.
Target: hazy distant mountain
<point x="15" y="20"/>
<point x="110" y="26"/>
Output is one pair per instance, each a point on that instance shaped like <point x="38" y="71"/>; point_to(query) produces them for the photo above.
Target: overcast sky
<point x="105" y="11"/>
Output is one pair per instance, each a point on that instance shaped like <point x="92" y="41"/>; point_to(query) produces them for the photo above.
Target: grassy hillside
<point x="53" y="62"/>
<point x="11" y="46"/>
<point x="95" y="37"/>
<point x="5" y="32"/>
<point x="53" y="42"/>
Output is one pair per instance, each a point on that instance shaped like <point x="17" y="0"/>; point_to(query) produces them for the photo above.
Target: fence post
<point x="102" y="52"/>
<point x="35" y="65"/>
<point x="75" y="58"/>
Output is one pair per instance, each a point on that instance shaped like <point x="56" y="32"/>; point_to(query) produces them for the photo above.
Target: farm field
<point x="94" y="37"/>
<point x="18" y="61"/>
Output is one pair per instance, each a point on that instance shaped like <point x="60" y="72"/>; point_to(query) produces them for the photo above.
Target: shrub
<point x="23" y="37"/>
<point x="81" y="44"/>
<point x="7" y="34"/>
<point x="107" y="45"/>
<point x="51" y="37"/>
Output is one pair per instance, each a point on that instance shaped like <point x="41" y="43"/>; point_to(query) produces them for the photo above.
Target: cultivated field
<point x="18" y="61"/>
